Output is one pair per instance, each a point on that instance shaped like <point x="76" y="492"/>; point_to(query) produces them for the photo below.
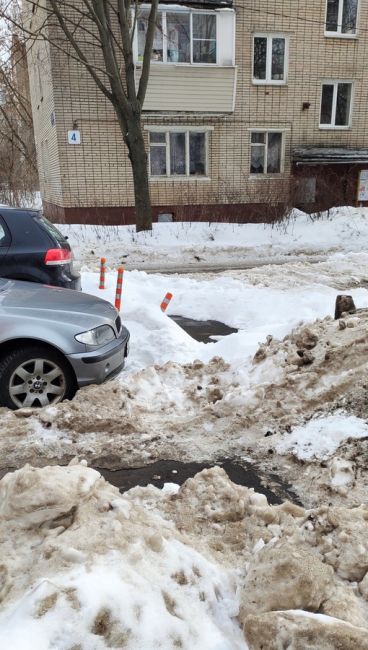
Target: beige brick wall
<point x="97" y="173"/>
<point x="43" y="107"/>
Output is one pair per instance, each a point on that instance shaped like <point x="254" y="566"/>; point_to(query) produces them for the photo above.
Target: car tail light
<point x="55" y="256"/>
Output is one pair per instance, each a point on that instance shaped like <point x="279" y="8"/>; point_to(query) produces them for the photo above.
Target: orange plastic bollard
<point x="119" y="288"/>
<point x="102" y="273"/>
<point x="166" y="301"/>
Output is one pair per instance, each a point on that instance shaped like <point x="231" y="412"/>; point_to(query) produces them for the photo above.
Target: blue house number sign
<point x="74" y="137"/>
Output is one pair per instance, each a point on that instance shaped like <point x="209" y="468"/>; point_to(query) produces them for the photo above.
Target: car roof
<point x="5" y="209"/>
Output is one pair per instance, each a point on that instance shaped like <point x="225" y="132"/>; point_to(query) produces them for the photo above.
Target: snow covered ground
<point x="223" y="245"/>
<point x="29" y="200"/>
<point x="201" y="567"/>
<point x="244" y="303"/>
<point x="220" y="388"/>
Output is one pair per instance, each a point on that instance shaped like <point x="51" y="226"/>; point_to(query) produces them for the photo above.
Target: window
<point x="341" y="17"/>
<point x="178" y="153"/>
<point x="204" y="38"/>
<point x="3" y="237"/>
<point x="51" y="230"/>
<point x="180" y="36"/>
<point x="336" y="104"/>
<point x="269" y="59"/>
<point x="142" y="26"/>
<point x="266" y="152"/>
<point x="39" y="74"/>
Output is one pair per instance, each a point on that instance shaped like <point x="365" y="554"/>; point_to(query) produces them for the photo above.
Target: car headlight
<point x="98" y="336"/>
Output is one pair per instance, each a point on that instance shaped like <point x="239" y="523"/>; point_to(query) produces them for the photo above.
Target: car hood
<point x="30" y="298"/>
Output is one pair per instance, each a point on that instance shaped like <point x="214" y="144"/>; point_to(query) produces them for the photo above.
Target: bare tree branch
<point x="99" y="35"/>
<point x="146" y="66"/>
<point x="80" y="53"/>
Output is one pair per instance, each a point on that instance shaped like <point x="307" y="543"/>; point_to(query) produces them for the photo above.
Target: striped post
<point x="166" y="301"/>
<point x="119" y="288"/>
<point x="102" y="273"/>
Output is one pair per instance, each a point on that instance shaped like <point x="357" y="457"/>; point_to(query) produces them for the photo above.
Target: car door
<point x="5" y="240"/>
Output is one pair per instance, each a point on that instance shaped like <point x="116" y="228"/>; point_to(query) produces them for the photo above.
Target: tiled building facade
<point x="251" y="107"/>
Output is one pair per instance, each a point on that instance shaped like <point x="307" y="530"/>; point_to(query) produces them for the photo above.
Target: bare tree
<point x="72" y="26"/>
<point x="18" y="166"/>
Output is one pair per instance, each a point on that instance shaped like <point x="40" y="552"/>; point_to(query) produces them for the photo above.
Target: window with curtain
<point x="178" y="153"/>
<point x="266" y="152"/>
<point x="180" y="36"/>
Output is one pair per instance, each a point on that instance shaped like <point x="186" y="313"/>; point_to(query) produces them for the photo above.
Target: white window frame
<point x="282" y="158"/>
<point x="269" y="81"/>
<point x="335" y="83"/>
<point x="339" y="33"/>
<point x="175" y="10"/>
<point x="179" y="129"/>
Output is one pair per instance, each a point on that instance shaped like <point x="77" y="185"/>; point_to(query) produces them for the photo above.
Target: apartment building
<point x="252" y="106"/>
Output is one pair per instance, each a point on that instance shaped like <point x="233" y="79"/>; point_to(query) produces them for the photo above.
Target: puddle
<point x="203" y="330"/>
<point x="171" y="471"/>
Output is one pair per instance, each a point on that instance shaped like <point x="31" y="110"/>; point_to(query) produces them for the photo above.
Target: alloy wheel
<point x="37" y="382"/>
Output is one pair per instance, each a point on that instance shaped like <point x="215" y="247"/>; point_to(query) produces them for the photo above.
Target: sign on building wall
<point x="74" y="137"/>
<point x="363" y="185"/>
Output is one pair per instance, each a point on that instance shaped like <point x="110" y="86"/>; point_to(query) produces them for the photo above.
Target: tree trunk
<point x="138" y="158"/>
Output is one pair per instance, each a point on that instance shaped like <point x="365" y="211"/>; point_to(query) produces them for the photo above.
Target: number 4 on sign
<point x="74" y="137"/>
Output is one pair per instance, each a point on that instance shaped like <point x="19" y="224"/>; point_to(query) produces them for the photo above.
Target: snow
<point x="153" y="569"/>
<point x="255" y="310"/>
<point x="25" y="200"/>
<point x="86" y="568"/>
<point x="222" y="245"/>
<point x="320" y="438"/>
<point x="133" y="598"/>
<point x="182" y="399"/>
<point x="130" y="584"/>
<point x="269" y="300"/>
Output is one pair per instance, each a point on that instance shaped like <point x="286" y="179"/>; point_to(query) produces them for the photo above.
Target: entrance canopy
<point x="329" y="156"/>
<point x="199" y="3"/>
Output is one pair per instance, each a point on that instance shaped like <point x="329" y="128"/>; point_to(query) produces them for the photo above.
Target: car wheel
<point x="33" y="377"/>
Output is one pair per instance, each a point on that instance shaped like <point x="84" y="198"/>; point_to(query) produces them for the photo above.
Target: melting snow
<point x="321" y="437"/>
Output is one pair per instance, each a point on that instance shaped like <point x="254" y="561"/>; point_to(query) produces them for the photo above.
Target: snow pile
<point x="303" y="631"/>
<point x="198" y="245"/>
<point x="201" y="411"/>
<point x="321" y="437"/>
<point x="104" y="572"/>
<point x="255" y="310"/>
<point x="213" y="566"/>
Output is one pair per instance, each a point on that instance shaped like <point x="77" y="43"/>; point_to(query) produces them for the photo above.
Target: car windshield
<point x="51" y="229"/>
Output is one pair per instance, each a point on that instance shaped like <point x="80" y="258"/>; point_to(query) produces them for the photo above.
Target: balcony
<point x="198" y="89"/>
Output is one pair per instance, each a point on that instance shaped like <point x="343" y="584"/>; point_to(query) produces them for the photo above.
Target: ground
<point x="284" y="398"/>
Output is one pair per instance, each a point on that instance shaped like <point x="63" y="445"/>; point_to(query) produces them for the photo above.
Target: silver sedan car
<point x="53" y="341"/>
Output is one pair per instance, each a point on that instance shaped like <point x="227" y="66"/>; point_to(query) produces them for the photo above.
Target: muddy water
<point x="171" y="471"/>
<point x="203" y="330"/>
